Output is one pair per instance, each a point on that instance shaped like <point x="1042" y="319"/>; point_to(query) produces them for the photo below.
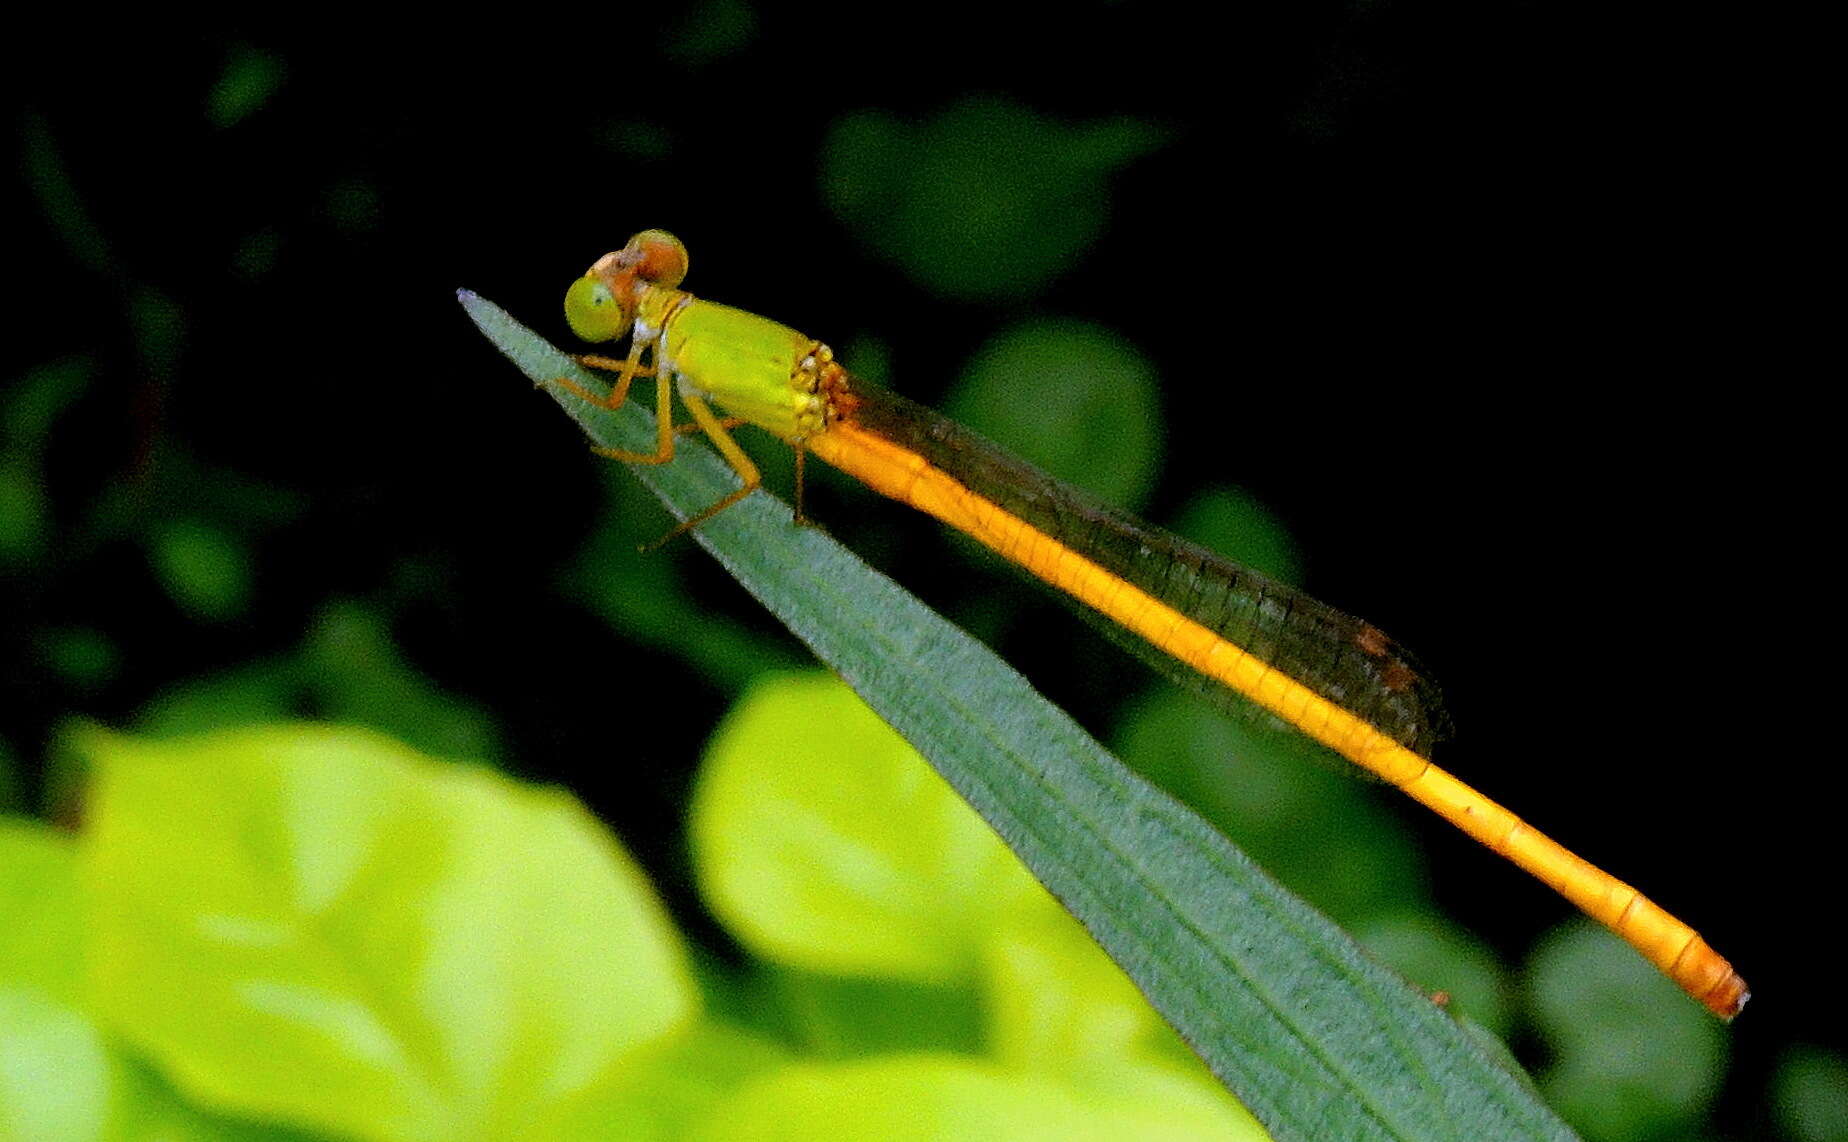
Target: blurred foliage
<point x="1235" y="523"/>
<point x="1104" y="431"/>
<point x="58" y="198"/>
<point x="29" y="407"/>
<point x="1628" y="1061"/>
<point x="987" y="199"/>
<point x="1810" y="1095"/>
<point x="791" y="890"/>
<point x="644" y="599"/>
<point x="1313" y="827"/>
<point x="10" y="799"/>
<point x="346" y="670"/>
<point x="249" y="80"/>
<point x="202" y="568"/>
<point x="711" y="30"/>
<point x="1444" y="961"/>
<point x="353" y="907"/>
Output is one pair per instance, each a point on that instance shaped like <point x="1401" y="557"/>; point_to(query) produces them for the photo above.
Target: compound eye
<point x="594" y="311"/>
<point x="658" y="257"/>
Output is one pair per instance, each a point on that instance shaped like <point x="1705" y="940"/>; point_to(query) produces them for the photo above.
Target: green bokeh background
<point x="1381" y="302"/>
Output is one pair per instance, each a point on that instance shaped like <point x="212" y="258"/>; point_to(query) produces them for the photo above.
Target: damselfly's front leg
<point x="626" y="371"/>
<point x="716" y="428"/>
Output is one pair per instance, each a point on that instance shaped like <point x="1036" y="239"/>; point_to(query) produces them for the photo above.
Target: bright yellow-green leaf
<point x="945" y="1098"/>
<point x="319" y="925"/>
<point x="41" y="933"/>
<point x="1055" y="1001"/>
<point x="55" y="1074"/>
<point x="826" y="843"/>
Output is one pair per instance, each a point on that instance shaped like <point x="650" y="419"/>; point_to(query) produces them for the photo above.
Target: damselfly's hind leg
<point x="715" y="428"/>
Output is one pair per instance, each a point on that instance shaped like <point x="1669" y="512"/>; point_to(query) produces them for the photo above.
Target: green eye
<point x="593" y="311"/>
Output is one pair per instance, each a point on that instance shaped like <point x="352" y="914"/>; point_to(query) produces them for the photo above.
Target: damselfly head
<point x="600" y="306"/>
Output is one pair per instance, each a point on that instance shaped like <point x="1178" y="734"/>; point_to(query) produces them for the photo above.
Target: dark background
<point x="1476" y="300"/>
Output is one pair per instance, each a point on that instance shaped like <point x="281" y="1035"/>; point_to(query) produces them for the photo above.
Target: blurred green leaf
<point x="267" y="690"/>
<point x="353" y="205"/>
<point x="1307" y="1030"/>
<point x="1809" y="1095"/>
<point x="422" y="950"/>
<point x="1093" y="417"/>
<point x="792" y="826"/>
<point x="1056" y="1003"/>
<point x="149" y="1109"/>
<point x="58" y="198"/>
<point x="40" y="912"/>
<point x="83" y="656"/>
<point x="639" y="140"/>
<point x="923" y="1098"/>
<point x="33" y="403"/>
<point x="710" y="30"/>
<point x="871" y="357"/>
<point x="1437" y="956"/>
<point x="1631" y="1057"/>
<point x="56" y="1075"/>
<point x="25" y="513"/>
<point x="988" y="199"/>
<point x="62" y="1078"/>
<point x="29" y="407"/>
<point x="187" y="496"/>
<point x="250" y="78"/>
<point x="1294" y="806"/>
<point x="12" y="798"/>
<point x="256" y="254"/>
<point x="833" y="1016"/>
<point x="204" y="569"/>
<point x="355" y="673"/>
<point x="665" y="1087"/>
<point x="646" y="601"/>
<point x="159" y="326"/>
<point x="1236" y="524"/>
<point x="347" y="669"/>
